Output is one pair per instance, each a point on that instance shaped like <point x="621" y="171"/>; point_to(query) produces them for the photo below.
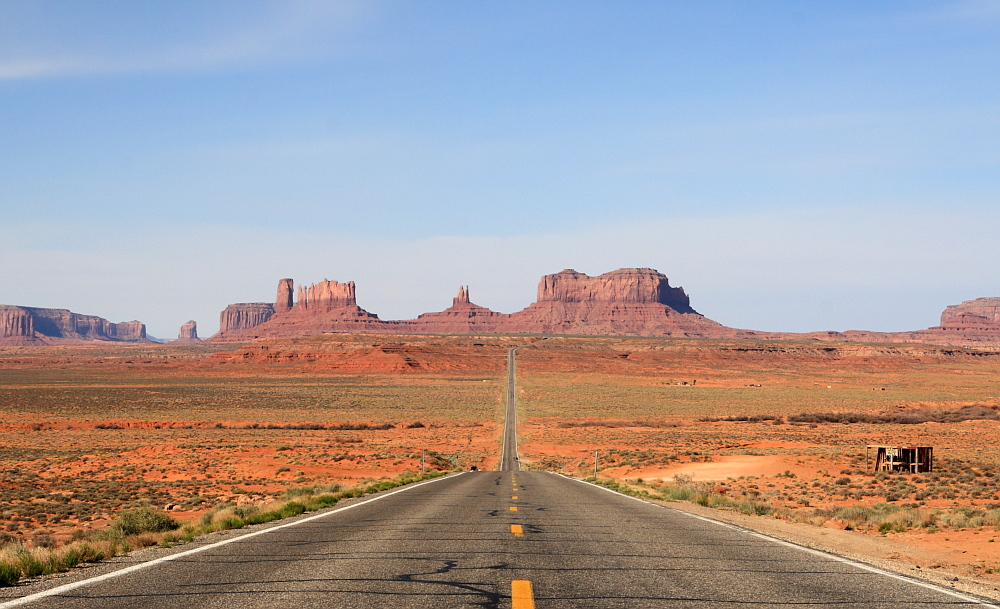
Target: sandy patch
<point x="720" y="469"/>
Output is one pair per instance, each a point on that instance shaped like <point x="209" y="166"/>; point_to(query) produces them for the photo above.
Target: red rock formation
<point x="326" y="296"/>
<point x="32" y="325"/>
<point x="988" y="309"/>
<point x="188" y="334"/>
<point x="286" y="290"/>
<point x="462" y="317"/>
<point x="244" y="315"/>
<point x="627" y="302"/>
<point x="972" y="322"/>
<point x="15" y="321"/>
<point x="17" y="326"/>
<point x="644" y="286"/>
<point x="638" y="302"/>
<point x="62" y="323"/>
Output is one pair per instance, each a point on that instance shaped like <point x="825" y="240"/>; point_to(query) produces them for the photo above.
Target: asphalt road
<point x="453" y="542"/>
<point x="509" y="460"/>
<point x="496" y="539"/>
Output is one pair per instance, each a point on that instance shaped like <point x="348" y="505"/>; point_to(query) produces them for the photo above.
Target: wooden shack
<point x="911" y="459"/>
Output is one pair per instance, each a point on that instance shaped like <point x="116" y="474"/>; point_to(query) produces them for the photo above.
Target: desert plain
<point x="772" y="430"/>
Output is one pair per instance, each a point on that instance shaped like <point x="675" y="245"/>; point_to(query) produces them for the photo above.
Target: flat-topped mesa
<point x="31" y="325"/>
<point x="63" y="323"/>
<point x="15" y="321"/>
<point x="643" y="286"/>
<point x="326" y="296"/>
<point x="987" y="310"/>
<point x="244" y="315"/>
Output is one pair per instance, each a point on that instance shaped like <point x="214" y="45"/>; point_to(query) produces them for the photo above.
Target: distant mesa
<point x="188" y="334"/>
<point x="970" y="322"/>
<point x="35" y="326"/>
<point x="244" y="315"/>
<point x="623" y="302"/>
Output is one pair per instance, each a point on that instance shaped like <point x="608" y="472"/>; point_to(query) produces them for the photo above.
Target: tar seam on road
<point x="93" y="580"/>
<point x="860" y="565"/>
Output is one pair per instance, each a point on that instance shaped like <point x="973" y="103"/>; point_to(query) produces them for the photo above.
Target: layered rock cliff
<point x="33" y="325"/>
<point x="188" y="334"/>
<point x="627" y="302"/>
<point x="641" y="286"/>
<point x="637" y="302"/>
<point x="327" y="306"/>
<point x="325" y="296"/>
<point x="462" y="317"/>
<point x="987" y="309"/>
<point x="17" y="327"/>
<point x="244" y="315"/>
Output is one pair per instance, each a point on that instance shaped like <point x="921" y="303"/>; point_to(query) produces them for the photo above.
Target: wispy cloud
<point x="284" y="32"/>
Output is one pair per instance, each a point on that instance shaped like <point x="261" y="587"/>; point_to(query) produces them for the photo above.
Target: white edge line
<point x="828" y="555"/>
<point x="93" y="580"/>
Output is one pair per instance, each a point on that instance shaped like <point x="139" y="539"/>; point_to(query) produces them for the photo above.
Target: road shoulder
<point x="882" y="552"/>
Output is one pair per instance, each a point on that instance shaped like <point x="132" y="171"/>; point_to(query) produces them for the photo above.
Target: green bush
<point x="30" y="566"/>
<point x="292" y="508"/>
<point x="9" y="574"/>
<point x="142" y="520"/>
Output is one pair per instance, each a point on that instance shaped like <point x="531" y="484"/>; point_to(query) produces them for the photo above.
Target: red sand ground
<point x="186" y="414"/>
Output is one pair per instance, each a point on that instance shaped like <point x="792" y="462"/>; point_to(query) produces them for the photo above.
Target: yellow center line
<point x="521" y="596"/>
<point x="513" y="508"/>
<point x="517" y="530"/>
<point x="514" y="498"/>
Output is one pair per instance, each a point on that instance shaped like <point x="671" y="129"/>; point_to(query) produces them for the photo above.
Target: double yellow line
<point x="521" y="594"/>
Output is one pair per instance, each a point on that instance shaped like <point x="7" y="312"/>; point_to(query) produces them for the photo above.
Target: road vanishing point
<point x="507" y="539"/>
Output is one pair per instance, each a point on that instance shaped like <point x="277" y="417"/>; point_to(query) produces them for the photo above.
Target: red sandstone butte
<point x="623" y="302"/>
<point x="188" y="334"/>
<point x="36" y="326"/>
<point x="626" y="302"/>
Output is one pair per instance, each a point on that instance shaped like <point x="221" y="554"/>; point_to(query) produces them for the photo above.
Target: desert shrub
<point x="859" y="514"/>
<point x="292" y="508"/>
<point x="913" y="417"/>
<point x="742" y="418"/>
<point x="754" y="508"/>
<point x="676" y="493"/>
<point x="9" y="574"/>
<point x="7" y="539"/>
<point x="142" y="520"/>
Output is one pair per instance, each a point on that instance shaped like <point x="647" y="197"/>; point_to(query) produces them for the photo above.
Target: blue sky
<point x="795" y="166"/>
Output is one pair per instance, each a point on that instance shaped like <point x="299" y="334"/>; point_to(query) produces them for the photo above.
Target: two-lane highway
<point x="509" y="460"/>
<point x="507" y="539"/>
